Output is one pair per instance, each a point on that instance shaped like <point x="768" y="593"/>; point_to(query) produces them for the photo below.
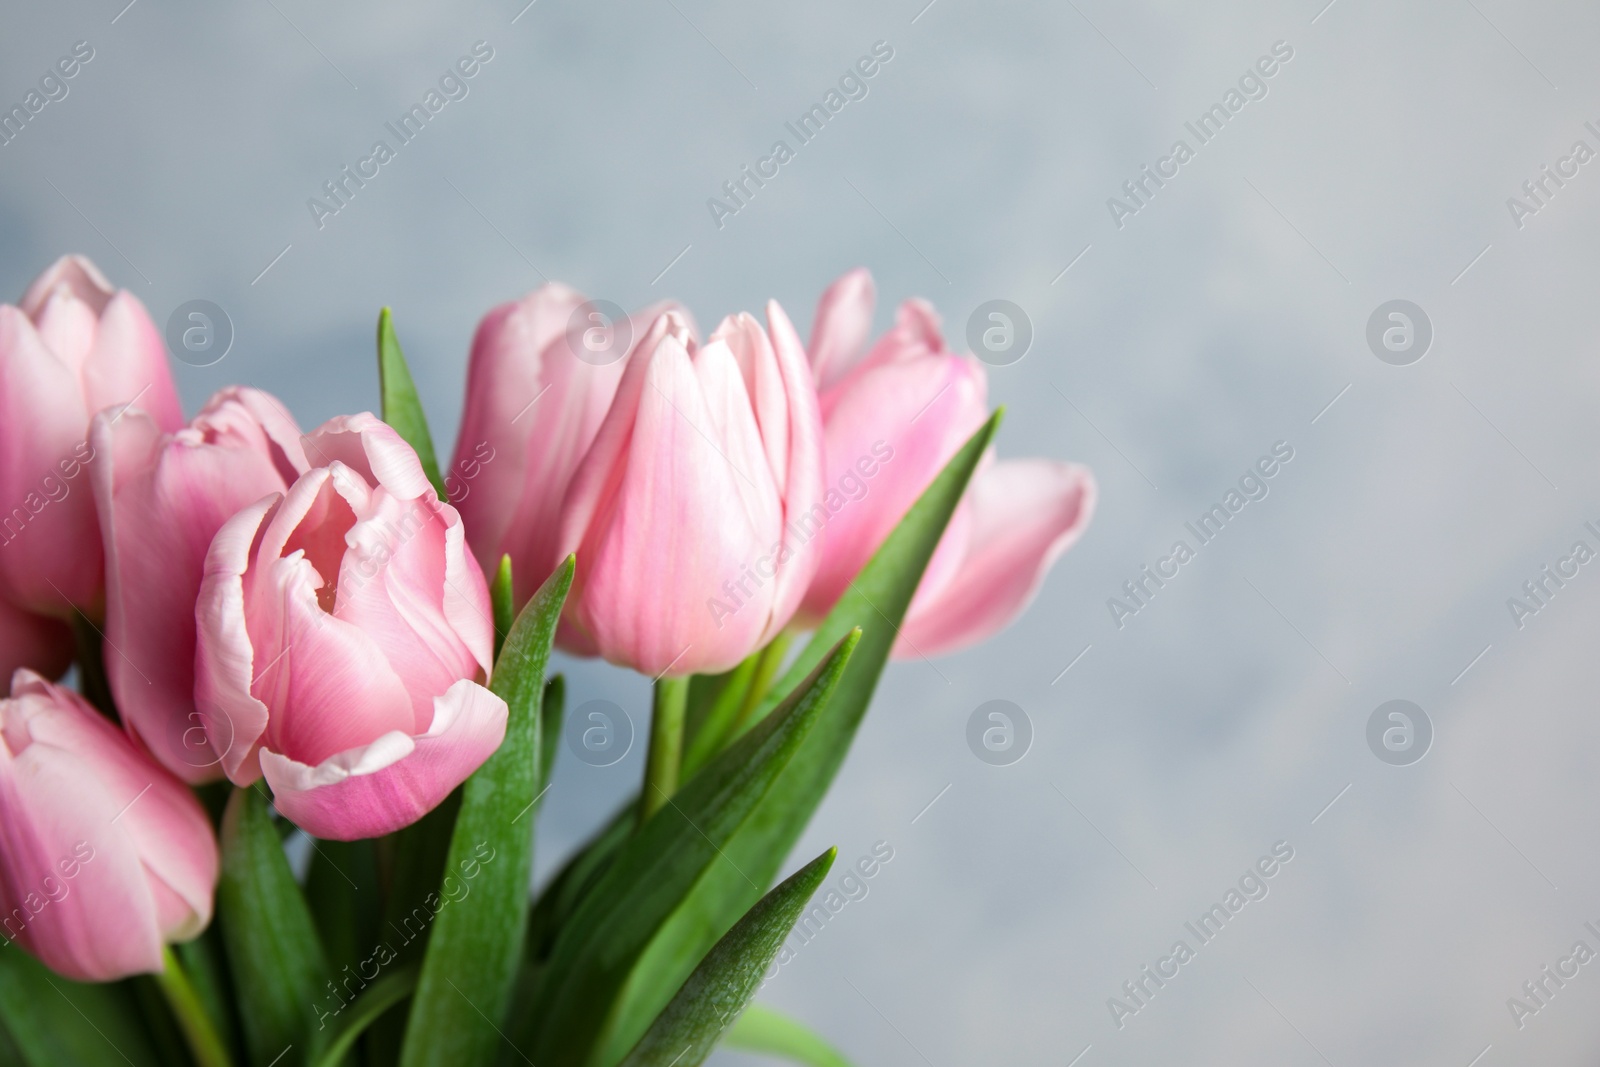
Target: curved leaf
<point x="277" y="960"/>
<point x="687" y="1029"/>
<point x="401" y="408"/>
<point x="471" y="964"/>
<point x="376" y="999"/>
<point x="597" y="948"/>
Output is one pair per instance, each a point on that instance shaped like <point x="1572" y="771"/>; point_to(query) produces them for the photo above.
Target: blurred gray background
<point x="1224" y="316"/>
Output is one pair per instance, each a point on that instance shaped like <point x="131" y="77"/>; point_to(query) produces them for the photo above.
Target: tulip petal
<point x="1025" y="513"/>
<point x="901" y="420"/>
<point x="843" y="322"/>
<point x="128" y="364"/>
<point x="161" y="501"/>
<point x="392" y="782"/>
<point x="531" y="411"/>
<point x="328" y="682"/>
<point x="49" y="537"/>
<point x="72" y="274"/>
<point x="224" y="660"/>
<point x="370" y="447"/>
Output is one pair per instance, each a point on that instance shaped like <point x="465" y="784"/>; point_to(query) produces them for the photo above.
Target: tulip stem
<point x="666" y="745"/>
<point x="198" y="1029"/>
<point x="771" y="658"/>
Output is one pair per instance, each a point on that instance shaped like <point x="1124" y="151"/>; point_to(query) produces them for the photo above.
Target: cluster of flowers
<point x="305" y="609"/>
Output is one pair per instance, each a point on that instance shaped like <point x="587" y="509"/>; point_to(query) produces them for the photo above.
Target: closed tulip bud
<point x="161" y="499"/>
<point x="105" y="856"/>
<point x="74" y="347"/>
<point x="535" y="399"/>
<point x="683" y="513"/>
<point x="343" y="636"/>
<point x="893" y="416"/>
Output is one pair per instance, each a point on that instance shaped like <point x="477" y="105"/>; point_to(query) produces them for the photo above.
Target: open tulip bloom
<point x="319" y="645"/>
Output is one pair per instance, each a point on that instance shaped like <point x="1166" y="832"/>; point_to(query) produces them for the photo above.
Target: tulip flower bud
<point x="683" y="512"/>
<point x="343" y="635"/>
<point x="104" y="856"/>
<point x="161" y="499"/>
<point x="74" y="347"/>
<point x="533" y="405"/>
<point x="892" y="420"/>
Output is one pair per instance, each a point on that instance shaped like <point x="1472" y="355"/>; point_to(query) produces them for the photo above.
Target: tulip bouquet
<point x="229" y="642"/>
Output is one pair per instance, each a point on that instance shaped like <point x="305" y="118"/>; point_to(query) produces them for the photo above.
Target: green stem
<point x="91" y="667"/>
<point x="767" y="668"/>
<point x="197" y="1026"/>
<point x="666" y="745"/>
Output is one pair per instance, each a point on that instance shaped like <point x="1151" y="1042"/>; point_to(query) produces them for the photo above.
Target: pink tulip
<point x="343" y="633"/>
<point x="42" y="644"/>
<point x="104" y="856"/>
<point x="74" y="347"/>
<point x="893" y="418"/>
<point x="682" y="512"/>
<point x="161" y="499"/>
<point x="533" y="405"/>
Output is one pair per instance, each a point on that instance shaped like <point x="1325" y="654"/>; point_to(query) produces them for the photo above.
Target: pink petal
<point x="841" y="327"/>
<point x="676" y="503"/>
<point x="224" y="660"/>
<point x="70" y="274"/>
<point x="160" y="504"/>
<point x="1025" y="513"/>
<point x="371" y="448"/>
<point x="392" y="782"/>
<point x="799" y="557"/>
<point x="49" y="536"/>
<point x="128" y="364"/>
<point x="512" y="460"/>
<point x="326" y="683"/>
<point x="891" y="431"/>
<point x="392" y="588"/>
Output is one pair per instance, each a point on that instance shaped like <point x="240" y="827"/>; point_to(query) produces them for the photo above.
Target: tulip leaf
<point x="342" y="892"/>
<point x="402" y="410"/>
<point x="596" y="949"/>
<point x="761" y="1029"/>
<point x="470" y="968"/>
<point x="45" y="1015"/>
<point x="689" y="1027"/>
<point x="876" y="602"/>
<point x="376" y="999"/>
<point x="278" y="967"/>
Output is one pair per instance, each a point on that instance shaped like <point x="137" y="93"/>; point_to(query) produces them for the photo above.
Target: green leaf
<point x="876" y="602"/>
<point x="761" y="1029"/>
<point x="401" y="408"/>
<point x="419" y="856"/>
<point x="688" y="1028"/>
<point x="53" y="1021"/>
<point x="342" y="892"/>
<point x="470" y="968"/>
<point x="597" y="948"/>
<point x="277" y="961"/>
<point x="376" y="999"/>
